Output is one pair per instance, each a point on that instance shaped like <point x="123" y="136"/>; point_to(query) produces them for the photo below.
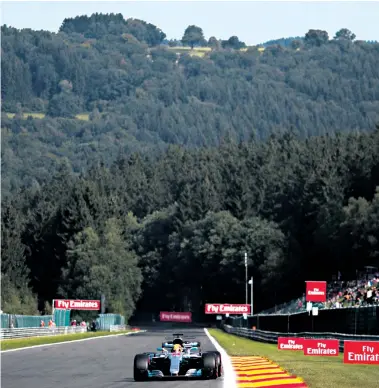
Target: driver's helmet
<point x="177" y="348"/>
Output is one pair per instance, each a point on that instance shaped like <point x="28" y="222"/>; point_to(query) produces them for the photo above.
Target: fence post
<point x="355" y="321"/>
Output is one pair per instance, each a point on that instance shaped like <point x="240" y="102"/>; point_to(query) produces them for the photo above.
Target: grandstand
<point x="340" y="294"/>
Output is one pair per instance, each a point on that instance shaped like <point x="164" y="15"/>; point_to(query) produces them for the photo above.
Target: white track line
<point x="229" y="375"/>
<point x="70" y="342"/>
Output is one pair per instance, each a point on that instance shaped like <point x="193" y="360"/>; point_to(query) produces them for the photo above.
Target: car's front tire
<point x="218" y="363"/>
<point x="141" y="367"/>
<point x="209" y="368"/>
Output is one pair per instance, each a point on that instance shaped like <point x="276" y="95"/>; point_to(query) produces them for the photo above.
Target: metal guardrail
<point x="26" y="332"/>
<point x="272" y="337"/>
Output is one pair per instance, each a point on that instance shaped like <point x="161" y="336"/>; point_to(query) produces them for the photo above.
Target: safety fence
<point x="105" y="321"/>
<point x="61" y="318"/>
<point x="354" y="320"/>
<point x="272" y="337"/>
<point x="17" y="321"/>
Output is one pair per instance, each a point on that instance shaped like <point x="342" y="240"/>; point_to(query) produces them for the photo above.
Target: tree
<point x="360" y="230"/>
<point x="316" y="38"/>
<point x="64" y="105"/>
<point x="193" y="35"/>
<point x="211" y="250"/>
<point x="344" y="34"/>
<point x="101" y="263"/>
<point x="16" y="295"/>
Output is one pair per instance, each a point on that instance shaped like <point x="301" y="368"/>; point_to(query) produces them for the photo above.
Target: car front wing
<point x="189" y="373"/>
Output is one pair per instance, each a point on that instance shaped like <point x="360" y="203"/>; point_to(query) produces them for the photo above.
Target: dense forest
<point x="184" y="163"/>
<point x="177" y="226"/>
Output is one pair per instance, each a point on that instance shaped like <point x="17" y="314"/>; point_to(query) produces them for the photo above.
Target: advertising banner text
<point x="321" y="347"/>
<point x="225" y="308"/>
<point x="290" y="343"/>
<point x="70" y="304"/>
<point x="315" y="291"/>
<point x="171" y="316"/>
<point x="361" y="352"/>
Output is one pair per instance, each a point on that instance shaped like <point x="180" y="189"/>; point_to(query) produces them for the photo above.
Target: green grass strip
<point x="17" y="343"/>
<point x="318" y="372"/>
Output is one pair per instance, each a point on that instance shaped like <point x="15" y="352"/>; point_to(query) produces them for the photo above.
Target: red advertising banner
<point x="224" y="308"/>
<point x="321" y="347"/>
<point x="290" y="343"/>
<point x="315" y="291"/>
<point x="169" y="316"/>
<point x="70" y="304"/>
<point x="361" y="352"/>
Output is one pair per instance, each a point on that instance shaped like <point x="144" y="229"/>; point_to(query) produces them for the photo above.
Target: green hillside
<point x="141" y="96"/>
<point x="137" y="169"/>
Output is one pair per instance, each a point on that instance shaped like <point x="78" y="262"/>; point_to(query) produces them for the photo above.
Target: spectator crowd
<point x="340" y="294"/>
<point x="362" y="293"/>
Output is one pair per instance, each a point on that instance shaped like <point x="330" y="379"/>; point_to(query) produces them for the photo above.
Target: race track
<point x="99" y="363"/>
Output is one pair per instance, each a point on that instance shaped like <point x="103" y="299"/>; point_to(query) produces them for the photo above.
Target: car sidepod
<point x="141" y="367"/>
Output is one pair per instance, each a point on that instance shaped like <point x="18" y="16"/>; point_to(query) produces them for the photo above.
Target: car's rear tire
<point x="141" y="367"/>
<point x="209" y="368"/>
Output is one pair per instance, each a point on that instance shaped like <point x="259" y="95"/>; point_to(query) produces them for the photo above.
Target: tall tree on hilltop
<point x="344" y="34"/>
<point x="193" y="35"/>
<point x="316" y="38"/>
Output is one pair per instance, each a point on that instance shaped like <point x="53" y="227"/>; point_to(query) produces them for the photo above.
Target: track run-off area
<point x="107" y="362"/>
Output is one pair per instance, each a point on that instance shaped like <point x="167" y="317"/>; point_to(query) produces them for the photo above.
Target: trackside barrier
<point x="46" y="331"/>
<point x="25" y="332"/>
<point x="272" y="337"/>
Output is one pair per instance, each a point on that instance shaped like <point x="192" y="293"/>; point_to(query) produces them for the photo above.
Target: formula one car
<point x="178" y="358"/>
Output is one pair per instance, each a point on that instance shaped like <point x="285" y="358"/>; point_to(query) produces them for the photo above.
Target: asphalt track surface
<point x="99" y="363"/>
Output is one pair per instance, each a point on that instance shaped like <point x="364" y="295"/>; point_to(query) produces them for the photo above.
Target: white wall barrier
<point x="117" y="327"/>
<point x="25" y="332"/>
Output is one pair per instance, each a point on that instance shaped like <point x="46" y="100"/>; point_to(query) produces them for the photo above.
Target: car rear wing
<point x="180" y="335"/>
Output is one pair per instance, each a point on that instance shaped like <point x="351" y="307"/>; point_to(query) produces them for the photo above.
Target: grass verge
<point x="17" y="343"/>
<point x="81" y="116"/>
<point x="26" y="115"/>
<point x="318" y="372"/>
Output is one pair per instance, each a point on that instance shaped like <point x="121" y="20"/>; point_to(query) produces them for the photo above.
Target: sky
<point x="253" y="22"/>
